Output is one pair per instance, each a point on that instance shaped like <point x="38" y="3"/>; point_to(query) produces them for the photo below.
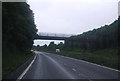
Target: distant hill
<point x="101" y="38"/>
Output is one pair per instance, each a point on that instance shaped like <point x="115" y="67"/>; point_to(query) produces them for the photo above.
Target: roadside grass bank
<point x="105" y="57"/>
<point x="13" y="60"/>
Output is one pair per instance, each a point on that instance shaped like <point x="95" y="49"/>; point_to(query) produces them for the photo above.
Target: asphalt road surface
<point x="52" y="66"/>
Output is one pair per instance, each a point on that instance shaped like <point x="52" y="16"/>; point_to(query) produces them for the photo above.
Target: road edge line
<point x="94" y="64"/>
<point x="25" y="71"/>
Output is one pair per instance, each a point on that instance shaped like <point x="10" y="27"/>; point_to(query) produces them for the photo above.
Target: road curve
<point x="52" y="66"/>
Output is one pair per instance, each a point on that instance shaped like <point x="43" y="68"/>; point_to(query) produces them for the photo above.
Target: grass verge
<point x="11" y="61"/>
<point x="106" y="57"/>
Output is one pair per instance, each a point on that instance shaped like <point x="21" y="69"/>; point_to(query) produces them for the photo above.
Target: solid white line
<point x="93" y="64"/>
<point x="25" y="71"/>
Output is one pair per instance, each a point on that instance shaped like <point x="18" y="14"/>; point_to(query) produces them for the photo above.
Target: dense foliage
<point x="51" y="47"/>
<point x="18" y="26"/>
<point x="18" y="33"/>
<point x="101" y="38"/>
<point x="96" y="39"/>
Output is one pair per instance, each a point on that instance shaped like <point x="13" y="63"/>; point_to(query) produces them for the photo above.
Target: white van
<point x="57" y="50"/>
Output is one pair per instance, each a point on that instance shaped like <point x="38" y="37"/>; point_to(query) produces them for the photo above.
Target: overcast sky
<point x="72" y="16"/>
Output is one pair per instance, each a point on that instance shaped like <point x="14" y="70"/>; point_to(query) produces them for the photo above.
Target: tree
<point x="101" y="38"/>
<point x="18" y="26"/>
<point x="52" y="46"/>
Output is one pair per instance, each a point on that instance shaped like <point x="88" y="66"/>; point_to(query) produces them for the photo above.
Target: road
<point x="52" y="66"/>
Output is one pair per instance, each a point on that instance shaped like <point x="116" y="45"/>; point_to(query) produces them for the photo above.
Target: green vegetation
<point x="18" y="34"/>
<point x="106" y="57"/>
<point x="98" y="46"/>
<point x="101" y="38"/>
<point x="13" y="61"/>
<point x="51" y="47"/>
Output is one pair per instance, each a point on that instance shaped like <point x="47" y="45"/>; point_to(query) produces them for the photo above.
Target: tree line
<point x="101" y="38"/>
<point x="18" y="29"/>
<point x="51" y="47"/>
<point x="18" y="33"/>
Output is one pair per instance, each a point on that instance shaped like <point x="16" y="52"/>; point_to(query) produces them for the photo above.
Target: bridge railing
<point x="54" y="34"/>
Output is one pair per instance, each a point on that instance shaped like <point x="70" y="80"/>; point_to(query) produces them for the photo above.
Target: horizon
<point x="72" y="17"/>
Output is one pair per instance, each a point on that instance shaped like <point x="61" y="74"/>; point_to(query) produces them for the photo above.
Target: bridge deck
<point x="50" y="38"/>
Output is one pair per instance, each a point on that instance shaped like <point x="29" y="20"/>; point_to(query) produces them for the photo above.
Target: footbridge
<point x="52" y="36"/>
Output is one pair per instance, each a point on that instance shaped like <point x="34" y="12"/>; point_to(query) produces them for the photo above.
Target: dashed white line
<point x="73" y="69"/>
<point x="93" y="64"/>
<point x="61" y="68"/>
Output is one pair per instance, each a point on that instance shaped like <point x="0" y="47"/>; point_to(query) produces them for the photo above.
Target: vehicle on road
<point x="57" y="50"/>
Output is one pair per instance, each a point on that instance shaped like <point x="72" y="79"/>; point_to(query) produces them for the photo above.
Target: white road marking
<point x="61" y="68"/>
<point x="93" y="64"/>
<point x="25" y="71"/>
<point x="73" y="69"/>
